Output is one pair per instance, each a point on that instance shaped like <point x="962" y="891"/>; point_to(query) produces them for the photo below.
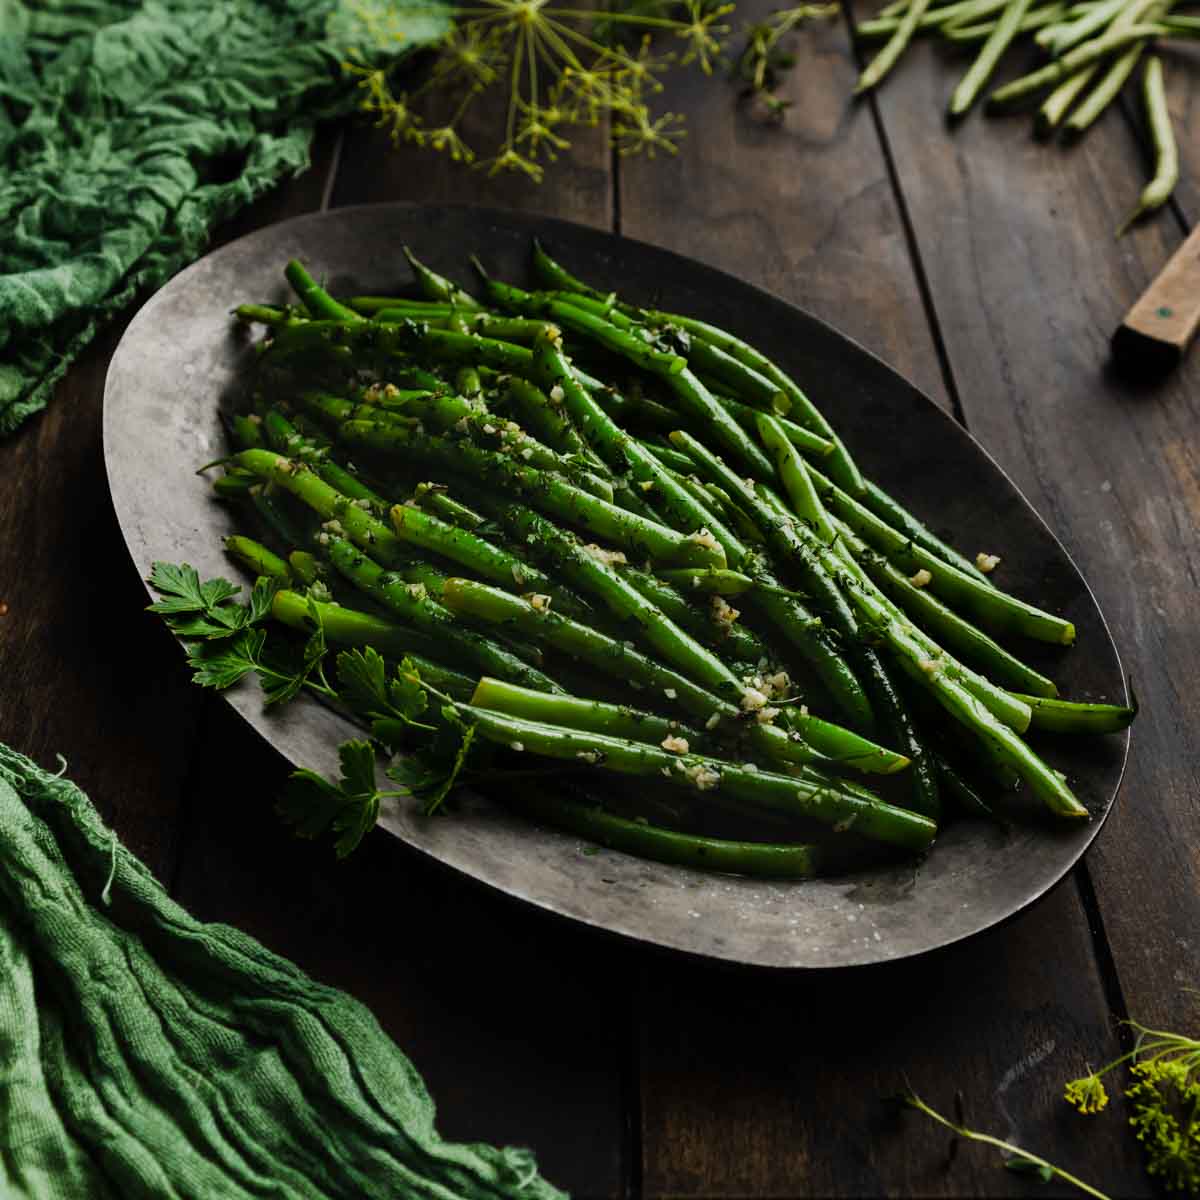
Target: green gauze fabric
<point x="129" y="128"/>
<point x="146" y="1054"/>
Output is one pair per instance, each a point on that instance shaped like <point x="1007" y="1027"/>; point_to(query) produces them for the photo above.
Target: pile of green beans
<point x="1092" y="49"/>
<point x="668" y="566"/>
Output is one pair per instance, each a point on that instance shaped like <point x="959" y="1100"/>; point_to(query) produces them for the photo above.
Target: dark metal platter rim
<point x="670" y="263"/>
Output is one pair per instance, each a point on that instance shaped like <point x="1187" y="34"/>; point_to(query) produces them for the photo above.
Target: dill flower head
<point x="1166" y="1119"/>
<point x="1087" y="1094"/>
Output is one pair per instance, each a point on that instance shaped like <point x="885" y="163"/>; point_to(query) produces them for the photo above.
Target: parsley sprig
<point x="228" y="641"/>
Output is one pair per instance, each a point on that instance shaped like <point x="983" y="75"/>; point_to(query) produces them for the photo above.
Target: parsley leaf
<point x="363" y="678"/>
<point x="391" y="706"/>
<point x="282" y="681"/>
<point x="430" y="776"/>
<point x="180" y="584"/>
<point x="405" y="693"/>
<point x="349" y="808"/>
<point x="221" y="665"/>
<point x="206" y="610"/>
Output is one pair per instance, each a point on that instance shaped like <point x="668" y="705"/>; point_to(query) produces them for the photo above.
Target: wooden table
<point x="981" y="265"/>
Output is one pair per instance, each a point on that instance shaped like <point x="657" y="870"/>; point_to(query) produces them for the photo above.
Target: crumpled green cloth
<point x="146" y="1054"/>
<point x="129" y="128"/>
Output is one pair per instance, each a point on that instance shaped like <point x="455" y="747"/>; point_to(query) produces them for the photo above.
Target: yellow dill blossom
<point x="560" y="67"/>
<point x="1087" y="1094"/>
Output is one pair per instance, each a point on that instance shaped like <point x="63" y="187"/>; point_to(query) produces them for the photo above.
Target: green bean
<point x="764" y="860"/>
<point x="826" y="802"/>
<point x="256" y="558"/>
<point x="691" y="395"/>
<point x="410" y="602"/>
<point x="1117" y="72"/>
<point x="792" y="470"/>
<point x="1039" y="19"/>
<point x="1074" y="60"/>
<point x="549" y="493"/>
<point x="988" y="605"/>
<point x="720" y="581"/>
<point x="553" y="275"/>
<point x="887" y="58"/>
<point x="304" y="567"/>
<point x="247" y="431"/>
<point x="438" y="287"/>
<point x="980" y="71"/>
<point x="841" y="465"/>
<point x="433" y="498"/>
<point x="970" y="711"/>
<point x="1067" y="716"/>
<point x="533" y="618"/>
<point x="1061" y="38"/>
<point x="733" y="640"/>
<point x="623" y="453"/>
<point x="964" y="10"/>
<point x="1166" y="166"/>
<point x="348" y="627"/>
<point x="588" y="574"/>
<point x="315" y="298"/>
<point x="747" y="384"/>
<point x="1056" y="105"/>
<point x="942" y="623"/>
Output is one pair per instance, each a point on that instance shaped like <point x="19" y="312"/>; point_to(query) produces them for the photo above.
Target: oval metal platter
<point x="182" y="352"/>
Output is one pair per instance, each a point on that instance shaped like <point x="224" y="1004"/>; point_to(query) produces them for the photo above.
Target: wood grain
<point x="804" y="208"/>
<point x="87" y="673"/>
<point x="774" y="1086"/>
<point x="1028" y="284"/>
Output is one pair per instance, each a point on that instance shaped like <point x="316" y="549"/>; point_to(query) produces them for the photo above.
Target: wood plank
<point x="766" y="1086"/>
<point x="760" y="1086"/>
<point x="1028" y="283"/>
<point x="804" y="209"/>
<point x="520" y="1025"/>
<point x="88" y="674"/>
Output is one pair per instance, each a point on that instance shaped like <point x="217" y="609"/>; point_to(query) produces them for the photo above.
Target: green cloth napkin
<point x="129" y="128"/>
<point x="146" y="1054"/>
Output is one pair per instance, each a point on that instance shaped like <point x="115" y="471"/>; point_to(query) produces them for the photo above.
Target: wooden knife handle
<point x="1157" y="329"/>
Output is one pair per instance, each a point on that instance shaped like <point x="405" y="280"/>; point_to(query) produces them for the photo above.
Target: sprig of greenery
<point x="229" y="643"/>
<point x="1018" y="1159"/>
<point x="564" y="68"/>
<point x="1165" y="1101"/>
<point x="765" y="58"/>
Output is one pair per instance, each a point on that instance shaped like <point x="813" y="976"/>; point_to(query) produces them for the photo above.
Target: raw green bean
<point x="887" y="58"/>
<point x="1166" y="155"/>
<point x="1062" y="68"/>
<point x="985" y="62"/>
